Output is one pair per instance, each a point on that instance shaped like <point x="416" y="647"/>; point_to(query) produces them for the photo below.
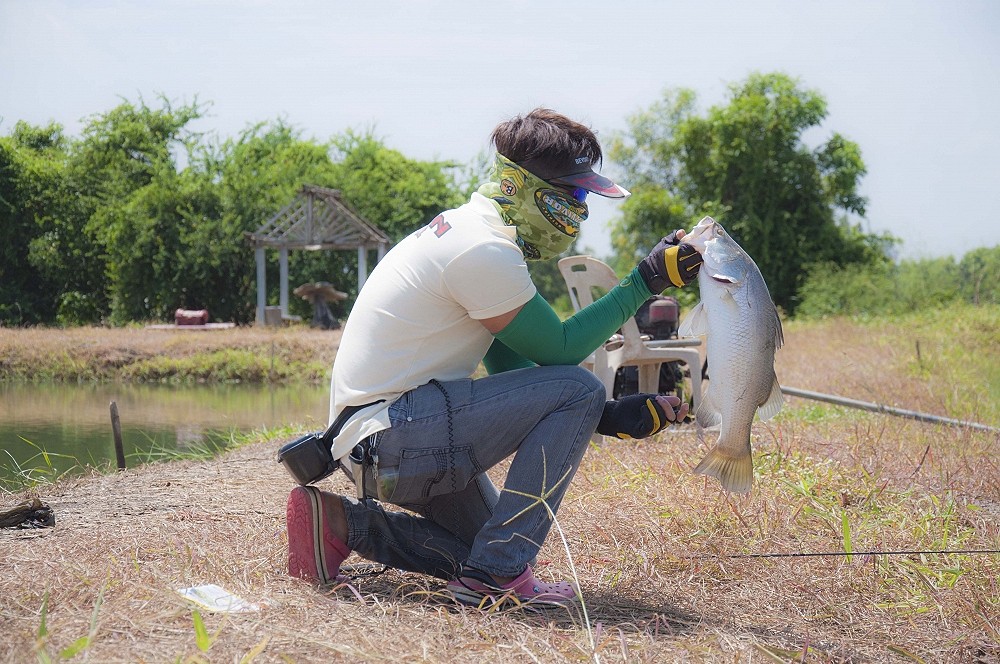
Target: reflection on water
<point x="73" y="422"/>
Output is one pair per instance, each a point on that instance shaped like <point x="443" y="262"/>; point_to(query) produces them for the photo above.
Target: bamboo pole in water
<point x="116" y="430"/>
<point x="888" y="410"/>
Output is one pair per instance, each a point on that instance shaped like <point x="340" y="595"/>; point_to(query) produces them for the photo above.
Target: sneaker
<point x="314" y="552"/>
<point x="478" y="589"/>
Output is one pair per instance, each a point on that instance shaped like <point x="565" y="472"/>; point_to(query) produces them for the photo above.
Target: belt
<point x="334" y="429"/>
<point x="362" y="456"/>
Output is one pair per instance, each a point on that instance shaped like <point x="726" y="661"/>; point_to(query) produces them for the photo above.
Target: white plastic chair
<point x="582" y="275"/>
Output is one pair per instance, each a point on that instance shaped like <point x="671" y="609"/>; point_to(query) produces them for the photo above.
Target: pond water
<point x="48" y="429"/>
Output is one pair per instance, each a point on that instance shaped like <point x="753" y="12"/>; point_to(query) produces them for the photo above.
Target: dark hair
<point x="546" y="138"/>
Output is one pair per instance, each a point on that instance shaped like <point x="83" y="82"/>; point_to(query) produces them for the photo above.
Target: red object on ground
<point x="191" y="317"/>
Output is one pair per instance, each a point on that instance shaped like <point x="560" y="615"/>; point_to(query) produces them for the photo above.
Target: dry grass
<point x="654" y="546"/>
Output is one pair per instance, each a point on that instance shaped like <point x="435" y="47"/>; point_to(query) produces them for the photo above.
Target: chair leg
<point x="607" y="376"/>
<point x="604" y="371"/>
<point x="649" y="378"/>
<point x="694" y="368"/>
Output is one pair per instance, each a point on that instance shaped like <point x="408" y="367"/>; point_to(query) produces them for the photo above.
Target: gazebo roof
<point x="317" y="218"/>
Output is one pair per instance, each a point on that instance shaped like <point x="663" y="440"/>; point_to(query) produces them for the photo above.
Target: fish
<point x="743" y="330"/>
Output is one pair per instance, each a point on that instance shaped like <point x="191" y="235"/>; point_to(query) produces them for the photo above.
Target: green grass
<point x="957" y="349"/>
<point x="34" y="471"/>
<point x="224" y="366"/>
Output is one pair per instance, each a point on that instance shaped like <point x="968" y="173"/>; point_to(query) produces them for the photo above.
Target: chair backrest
<point x="582" y="275"/>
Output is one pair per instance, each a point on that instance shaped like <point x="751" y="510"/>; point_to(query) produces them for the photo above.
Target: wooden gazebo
<point x="316" y="219"/>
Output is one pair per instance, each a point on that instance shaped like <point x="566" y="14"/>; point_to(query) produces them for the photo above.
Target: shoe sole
<point x="304" y="521"/>
<point x="507" y="601"/>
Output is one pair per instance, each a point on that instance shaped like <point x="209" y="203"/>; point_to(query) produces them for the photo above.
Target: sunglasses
<point x="579" y="194"/>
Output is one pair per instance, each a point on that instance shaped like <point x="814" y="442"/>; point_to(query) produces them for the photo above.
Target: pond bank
<point x="136" y="354"/>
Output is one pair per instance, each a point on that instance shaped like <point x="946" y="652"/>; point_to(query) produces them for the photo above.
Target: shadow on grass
<point x="609" y="610"/>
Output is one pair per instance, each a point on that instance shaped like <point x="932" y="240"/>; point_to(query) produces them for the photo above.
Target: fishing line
<point x="836" y="553"/>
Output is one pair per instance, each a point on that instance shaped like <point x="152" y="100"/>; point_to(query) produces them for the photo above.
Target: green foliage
<point x="979" y="275"/>
<point x="258" y="173"/>
<point x="31" y="167"/>
<point x="385" y="187"/>
<point x="893" y="289"/>
<point x="746" y="164"/>
<point x="114" y="172"/>
<point x="112" y="227"/>
<point x="229" y="365"/>
<point x="381" y="184"/>
<point x="33" y="471"/>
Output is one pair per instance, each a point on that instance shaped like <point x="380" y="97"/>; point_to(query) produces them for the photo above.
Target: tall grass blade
<point x="845" y="527"/>
<point x="905" y="653"/>
<point x="201" y="637"/>
<point x="82" y="643"/>
<point x="75" y="648"/>
<point x="43" y="631"/>
<point x="256" y="650"/>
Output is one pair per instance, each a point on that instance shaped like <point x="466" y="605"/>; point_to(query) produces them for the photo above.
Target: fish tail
<point x="735" y="471"/>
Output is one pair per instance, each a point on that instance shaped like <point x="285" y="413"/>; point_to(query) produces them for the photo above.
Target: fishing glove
<point x="634" y="416"/>
<point x="670" y="263"/>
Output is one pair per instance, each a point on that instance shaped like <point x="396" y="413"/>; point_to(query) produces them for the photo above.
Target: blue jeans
<point x="440" y="448"/>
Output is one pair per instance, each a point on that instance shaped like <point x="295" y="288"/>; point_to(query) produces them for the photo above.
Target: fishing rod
<point x="888" y="410"/>
<point x="808" y="554"/>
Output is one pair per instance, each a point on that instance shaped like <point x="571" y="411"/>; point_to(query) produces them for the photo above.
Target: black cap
<point x="575" y="173"/>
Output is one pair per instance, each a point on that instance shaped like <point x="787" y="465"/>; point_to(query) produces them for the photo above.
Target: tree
<point x="258" y="173"/>
<point x="910" y="285"/>
<point x="979" y="275"/>
<point x="31" y="172"/>
<point x="266" y="166"/>
<point x="120" y="153"/>
<point x="746" y="164"/>
<point x="397" y="194"/>
<point x="110" y="227"/>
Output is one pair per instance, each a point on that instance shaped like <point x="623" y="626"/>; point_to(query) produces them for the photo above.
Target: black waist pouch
<point x="308" y="459"/>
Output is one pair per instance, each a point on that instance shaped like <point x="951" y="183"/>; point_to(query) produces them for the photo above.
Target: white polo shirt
<point x="417" y="316"/>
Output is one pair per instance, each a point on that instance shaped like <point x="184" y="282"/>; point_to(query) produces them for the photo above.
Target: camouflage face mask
<point x="547" y="219"/>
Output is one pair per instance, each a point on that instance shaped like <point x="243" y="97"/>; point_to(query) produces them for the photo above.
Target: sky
<point x="915" y="83"/>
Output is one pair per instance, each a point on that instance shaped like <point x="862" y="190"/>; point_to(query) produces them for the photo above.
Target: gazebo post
<point x="283" y="271"/>
<point x="362" y="266"/>
<point x="261" y="284"/>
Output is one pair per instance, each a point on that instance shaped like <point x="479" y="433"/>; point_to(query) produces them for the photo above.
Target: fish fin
<point x="775" y="400"/>
<point x="695" y="323"/>
<point x="779" y="334"/>
<point x="706" y="413"/>
<point x="734" y="471"/>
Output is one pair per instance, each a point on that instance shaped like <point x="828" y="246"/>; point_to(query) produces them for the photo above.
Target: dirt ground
<point x="660" y="554"/>
<point x="125" y="543"/>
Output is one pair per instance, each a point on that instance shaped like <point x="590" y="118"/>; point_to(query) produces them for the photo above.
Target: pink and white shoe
<point x="478" y="589"/>
<point x="314" y="552"/>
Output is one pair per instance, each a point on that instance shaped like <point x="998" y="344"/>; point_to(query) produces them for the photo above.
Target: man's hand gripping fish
<point x="743" y="329"/>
